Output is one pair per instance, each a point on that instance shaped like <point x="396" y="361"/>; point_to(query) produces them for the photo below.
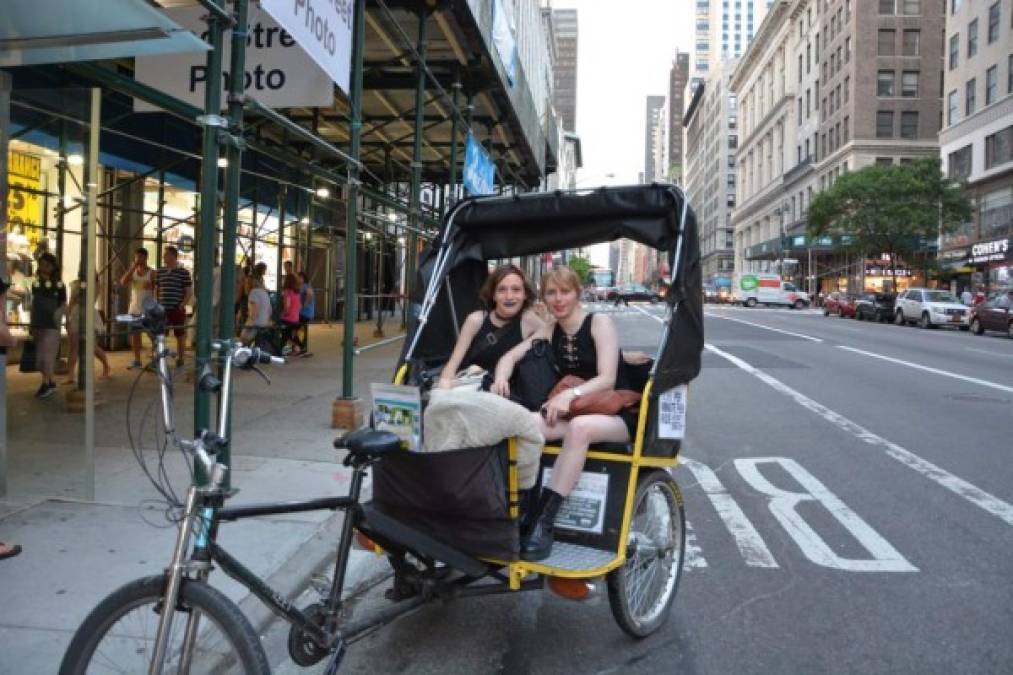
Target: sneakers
<point x="40" y="390"/>
<point x="47" y="390"/>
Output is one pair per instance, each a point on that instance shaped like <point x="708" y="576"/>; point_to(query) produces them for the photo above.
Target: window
<point x="958" y="164"/>
<point x="844" y="129"/>
<point x="912" y="42"/>
<point x="799" y="67"/>
<point x="837" y="134"/>
<point x="969" y="96"/>
<point x="884" y="161"/>
<point x="951" y="108"/>
<point x="993" y="23"/>
<point x="833" y="64"/>
<point x="1009" y="75"/>
<point x="912" y="7"/>
<point x="991" y="85"/>
<point x="825" y="69"/>
<point x="800" y="111"/>
<point x="909" y="124"/>
<point x="972" y="38"/>
<point x="884" y="124"/>
<point x="886" y="6"/>
<point x="954" y="6"/>
<point x="884" y="83"/>
<point x="909" y="84"/>
<point x="839" y="60"/>
<point x="954" y="51"/>
<point x="847" y="88"/>
<point x="808" y="103"/>
<point x="808" y="59"/>
<point x="886" y="40"/>
<point x="847" y="50"/>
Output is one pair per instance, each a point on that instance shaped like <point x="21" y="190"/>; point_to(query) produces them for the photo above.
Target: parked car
<point x="996" y="313"/>
<point x="930" y="308"/>
<point x="633" y="292"/>
<point x="841" y="304"/>
<point x="875" y="307"/>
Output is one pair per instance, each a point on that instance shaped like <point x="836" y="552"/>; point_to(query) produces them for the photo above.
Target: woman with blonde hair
<point x="585" y="345"/>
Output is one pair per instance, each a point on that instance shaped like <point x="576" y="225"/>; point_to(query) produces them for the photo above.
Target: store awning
<point x="60" y="31"/>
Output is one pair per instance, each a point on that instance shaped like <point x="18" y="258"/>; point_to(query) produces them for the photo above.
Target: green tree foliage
<point x="581" y="266"/>
<point x="889" y="209"/>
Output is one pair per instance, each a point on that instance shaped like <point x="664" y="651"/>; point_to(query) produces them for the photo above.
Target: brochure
<point x="398" y="408"/>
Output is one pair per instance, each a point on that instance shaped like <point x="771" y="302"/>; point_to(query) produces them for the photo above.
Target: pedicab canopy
<point x="483" y="229"/>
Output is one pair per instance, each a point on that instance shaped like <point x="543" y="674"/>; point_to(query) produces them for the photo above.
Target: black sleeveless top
<point x="492" y="342"/>
<point x="577" y="355"/>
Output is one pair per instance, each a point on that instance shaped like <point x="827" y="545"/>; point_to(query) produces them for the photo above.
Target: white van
<point x="768" y="289"/>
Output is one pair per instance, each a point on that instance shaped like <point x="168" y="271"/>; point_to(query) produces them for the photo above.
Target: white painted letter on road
<point x="885" y="558"/>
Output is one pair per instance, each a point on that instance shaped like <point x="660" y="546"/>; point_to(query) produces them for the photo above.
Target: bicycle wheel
<point x="119" y="634"/>
<point x="641" y="592"/>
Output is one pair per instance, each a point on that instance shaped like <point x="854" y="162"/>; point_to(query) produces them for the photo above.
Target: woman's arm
<point x="468" y="331"/>
<point x="505" y="366"/>
<point x="531" y="323"/>
<point x="125" y="279"/>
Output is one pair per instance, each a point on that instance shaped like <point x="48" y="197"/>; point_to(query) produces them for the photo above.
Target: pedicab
<point x="448" y="522"/>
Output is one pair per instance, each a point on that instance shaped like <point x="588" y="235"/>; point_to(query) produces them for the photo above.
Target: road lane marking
<point x="783" y="504"/>
<point x="694" y="556"/>
<point x="646" y="313"/>
<point x="928" y="369"/>
<point x="751" y="546"/>
<point x="760" y="325"/>
<point x="984" y="500"/>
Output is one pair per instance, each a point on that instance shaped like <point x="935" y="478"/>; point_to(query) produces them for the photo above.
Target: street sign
<point x="479" y="170"/>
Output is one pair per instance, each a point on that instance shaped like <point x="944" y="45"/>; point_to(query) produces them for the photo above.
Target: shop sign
<point x="24" y="208"/>
<point x="279" y="74"/>
<point x="323" y="28"/>
<point x="956" y="254"/>
<point x="886" y="272"/>
<point x="990" y="251"/>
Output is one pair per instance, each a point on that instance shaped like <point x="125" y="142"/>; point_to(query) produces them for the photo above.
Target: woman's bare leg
<point x="580" y="433"/>
<point x="72" y="339"/>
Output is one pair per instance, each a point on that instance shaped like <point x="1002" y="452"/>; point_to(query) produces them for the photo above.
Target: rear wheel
<point x="924" y="321"/>
<point x="799" y="304"/>
<point x="751" y="302"/>
<point x="1009" y="330"/>
<point x="119" y="634"/>
<point x="826" y="312"/>
<point x="898" y="318"/>
<point x="641" y="592"/>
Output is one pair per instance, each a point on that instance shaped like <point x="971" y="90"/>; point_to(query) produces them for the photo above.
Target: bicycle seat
<point x="366" y="443"/>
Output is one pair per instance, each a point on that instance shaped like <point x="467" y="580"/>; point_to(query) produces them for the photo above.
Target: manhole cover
<point x="977" y="398"/>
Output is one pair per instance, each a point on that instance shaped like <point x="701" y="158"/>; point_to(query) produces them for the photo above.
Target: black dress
<point x="577" y="355"/>
<point x="492" y="342"/>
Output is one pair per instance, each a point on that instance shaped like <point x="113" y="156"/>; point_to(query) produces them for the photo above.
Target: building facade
<point x="976" y="141"/>
<point x="564" y="23"/>
<point x="653" y="118"/>
<point x="828" y="88"/>
<point x="678" y="78"/>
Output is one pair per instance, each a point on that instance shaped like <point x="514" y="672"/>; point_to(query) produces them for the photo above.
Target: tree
<point x="889" y="209"/>
<point x="582" y="266"/>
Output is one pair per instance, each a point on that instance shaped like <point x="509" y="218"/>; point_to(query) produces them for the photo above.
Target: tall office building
<point x="678" y="76"/>
<point x="652" y="119"/>
<point x="701" y="48"/>
<point x="724" y="29"/>
<point x="564" y="23"/>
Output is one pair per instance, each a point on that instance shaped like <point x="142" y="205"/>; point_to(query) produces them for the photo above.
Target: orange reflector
<point x="363" y="542"/>
<point x="571" y="589"/>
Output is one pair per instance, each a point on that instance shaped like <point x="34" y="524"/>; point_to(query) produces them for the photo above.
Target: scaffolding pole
<point x="415" y="198"/>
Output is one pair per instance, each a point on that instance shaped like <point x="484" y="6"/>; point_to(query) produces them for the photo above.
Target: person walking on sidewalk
<point x="141" y="280"/>
<point x="74" y="334"/>
<point x="290" y="315"/>
<point x="174" y="287"/>
<point x="307" y="310"/>
<point x="49" y="297"/>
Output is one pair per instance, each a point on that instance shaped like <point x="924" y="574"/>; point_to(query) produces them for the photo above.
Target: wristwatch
<point x="576" y="391"/>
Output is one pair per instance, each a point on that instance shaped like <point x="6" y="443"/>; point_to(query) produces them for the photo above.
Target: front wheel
<point x="924" y="321"/>
<point x="899" y="318"/>
<point x="641" y="592"/>
<point x="800" y="304"/>
<point x="118" y="636"/>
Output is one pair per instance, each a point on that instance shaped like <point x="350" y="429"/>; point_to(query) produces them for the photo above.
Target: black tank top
<point x="492" y="342"/>
<point x="577" y="355"/>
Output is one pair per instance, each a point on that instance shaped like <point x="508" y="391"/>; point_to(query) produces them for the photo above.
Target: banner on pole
<point x="323" y="28"/>
<point x="479" y="170"/>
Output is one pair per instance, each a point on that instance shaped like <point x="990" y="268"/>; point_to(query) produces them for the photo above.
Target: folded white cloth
<point x="458" y="418"/>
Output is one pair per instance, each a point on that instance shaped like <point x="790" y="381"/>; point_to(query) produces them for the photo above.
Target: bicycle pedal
<point x="336" y="658"/>
<point x="321" y="584"/>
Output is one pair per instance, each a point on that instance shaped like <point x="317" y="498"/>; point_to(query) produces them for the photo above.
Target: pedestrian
<point x="288" y="267"/>
<point x="290" y="315"/>
<point x="49" y="298"/>
<point x="74" y="333"/>
<point x="174" y="288"/>
<point x="621" y="298"/>
<point x="141" y="280"/>
<point x="966" y="296"/>
<point x="307" y="310"/>
<point x="259" y="310"/>
<point x="7" y="550"/>
<point x="979" y="297"/>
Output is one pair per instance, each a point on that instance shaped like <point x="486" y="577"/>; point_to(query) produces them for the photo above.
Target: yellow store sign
<point x="24" y="208"/>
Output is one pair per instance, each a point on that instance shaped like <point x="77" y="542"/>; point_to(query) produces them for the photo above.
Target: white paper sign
<point x="584" y="508"/>
<point x="672" y="413"/>
<point x="323" y="28"/>
<point x="279" y="74"/>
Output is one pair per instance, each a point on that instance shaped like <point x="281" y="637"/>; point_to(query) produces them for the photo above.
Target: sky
<point x="624" y="52"/>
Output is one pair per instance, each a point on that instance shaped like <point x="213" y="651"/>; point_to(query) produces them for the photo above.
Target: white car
<point x="930" y="308"/>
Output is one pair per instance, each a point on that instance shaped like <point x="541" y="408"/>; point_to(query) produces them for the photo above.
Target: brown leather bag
<point x="608" y="402"/>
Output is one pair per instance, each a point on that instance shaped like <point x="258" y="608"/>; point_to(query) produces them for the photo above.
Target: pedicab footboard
<point x="460" y="498"/>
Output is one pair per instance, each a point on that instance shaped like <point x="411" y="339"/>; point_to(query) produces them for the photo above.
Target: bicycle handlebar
<point x="248" y="357"/>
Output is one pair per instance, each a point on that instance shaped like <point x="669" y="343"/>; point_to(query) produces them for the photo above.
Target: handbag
<point x="27" y="363"/>
<point x="534" y="376"/>
<point x="607" y="402"/>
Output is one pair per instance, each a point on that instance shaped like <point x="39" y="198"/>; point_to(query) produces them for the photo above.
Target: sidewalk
<point x="76" y="552"/>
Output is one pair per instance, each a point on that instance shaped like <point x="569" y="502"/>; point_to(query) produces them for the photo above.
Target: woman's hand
<point x="501" y="387"/>
<point x="445" y="382"/>
<point x="558" y="407"/>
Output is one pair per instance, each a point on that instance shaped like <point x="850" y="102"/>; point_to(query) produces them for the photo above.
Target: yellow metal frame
<point x="518" y="570"/>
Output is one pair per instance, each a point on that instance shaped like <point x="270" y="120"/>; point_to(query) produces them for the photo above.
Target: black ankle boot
<point x="538" y="545"/>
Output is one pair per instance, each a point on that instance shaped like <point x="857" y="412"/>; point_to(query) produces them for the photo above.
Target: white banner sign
<point x="323" y="28"/>
<point x="279" y="74"/>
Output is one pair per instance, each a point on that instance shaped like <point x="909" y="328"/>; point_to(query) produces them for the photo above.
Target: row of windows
<point x="904" y="7"/>
<point x="972" y="36"/>
<point x="886" y="84"/>
<point x="910" y="42"/>
<point x="971" y="93"/>
<point x="998" y="151"/>
<point x="885" y="124"/>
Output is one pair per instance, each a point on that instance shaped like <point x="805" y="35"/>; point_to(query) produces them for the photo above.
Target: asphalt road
<point x="849" y="492"/>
